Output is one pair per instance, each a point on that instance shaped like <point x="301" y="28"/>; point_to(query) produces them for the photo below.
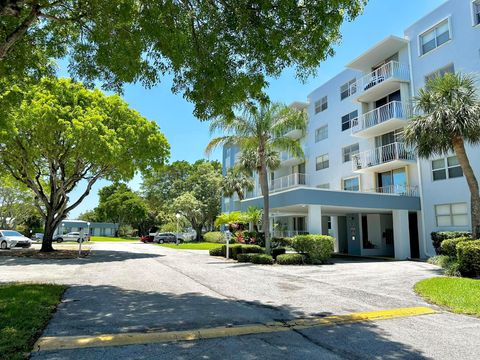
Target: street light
<point x="177" y="215"/>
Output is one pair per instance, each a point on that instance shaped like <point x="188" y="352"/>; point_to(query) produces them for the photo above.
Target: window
<point x="476" y="12"/>
<point x="348" y="151"/>
<point x="348" y="89"/>
<point x="447" y="168"/>
<point x="452" y="214"/>
<point x="322" y="162"/>
<point x="347" y="120"/>
<point x="321" y="105"/>
<point x="324" y="186"/>
<point x="351" y="184"/>
<point x="435" y="37"/>
<point x="321" y="133"/>
<point x="440" y="72"/>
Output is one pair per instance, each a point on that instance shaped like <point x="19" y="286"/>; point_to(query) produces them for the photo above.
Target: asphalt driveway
<point x="130" y="287"/>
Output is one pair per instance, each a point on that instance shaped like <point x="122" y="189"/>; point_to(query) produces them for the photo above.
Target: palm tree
<point x="259" y="132"/>
<point x="254" y="216"/>
<point x="237" y="181"/>
<point x="449" y="118"/>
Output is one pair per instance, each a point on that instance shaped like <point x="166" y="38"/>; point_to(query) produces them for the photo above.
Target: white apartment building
<point x="358" y="181"/>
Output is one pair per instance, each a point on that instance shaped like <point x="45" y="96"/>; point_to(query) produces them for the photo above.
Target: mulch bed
<point x="36" y="254"/>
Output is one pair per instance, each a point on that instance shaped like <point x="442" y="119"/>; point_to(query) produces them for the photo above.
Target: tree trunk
<point x="459" y="147"/>
<point x="198" y="229"/>
<point x="266" y="202"/>
<point x="48" y="234"/>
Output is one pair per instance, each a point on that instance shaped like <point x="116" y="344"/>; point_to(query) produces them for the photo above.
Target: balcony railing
<point x="392" y="110"/>
<point x="392" y="69"/>
<point x="401" y="190"/>
<point x="381" y="155"/>
<point x="288" y="181"/>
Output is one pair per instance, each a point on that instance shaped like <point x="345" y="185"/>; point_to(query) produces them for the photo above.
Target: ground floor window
<point x="451" y="214"/>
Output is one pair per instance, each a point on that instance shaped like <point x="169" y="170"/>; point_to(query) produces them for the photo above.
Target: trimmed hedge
<point x="438" y="237"/>
<point x="216" y="252"/>
<point x="278" y="251"/>
<point x="282" y="242"/>
<point x="318" y="248"/>
<point x="468" y="255"/>
<point x="449" y="247"/>
<point x="262" y="259"/>
<point x="214" y="237"/>
<point x="245" y="258"/>
<point x="290" y="259"/>
<point x="252" y="249"/>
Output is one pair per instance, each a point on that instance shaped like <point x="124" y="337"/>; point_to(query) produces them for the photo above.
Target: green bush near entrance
<point x="468" y="255"/>
<point x="263" y="259"/>
<point x="438" y="237"/>
<point x="290" y="259"/>
<point x="318" y="248"/>
<point x="449" y="247"/>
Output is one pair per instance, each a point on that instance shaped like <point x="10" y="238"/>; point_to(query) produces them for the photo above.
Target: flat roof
<point x="378" y="52"/>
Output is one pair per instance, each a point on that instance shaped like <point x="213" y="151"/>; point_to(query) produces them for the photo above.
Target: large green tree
<point x="62" y="135"/>
<point x="17" y="205"/>
<point x="236" y="181"/>
<point x="448" y="118"/>
<point x="218" y="52"/>
<point x="259" y="132"/>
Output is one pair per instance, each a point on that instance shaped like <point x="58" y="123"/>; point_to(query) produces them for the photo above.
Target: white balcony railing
<point x="392" y="69"/>
<point x="288" y="181"/>
<point x="401" y="190"/>
<point x="381" y="155"/>
<point x="392" y="110"/>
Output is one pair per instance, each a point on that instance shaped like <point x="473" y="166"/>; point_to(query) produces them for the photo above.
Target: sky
<point x="188" y="136"/>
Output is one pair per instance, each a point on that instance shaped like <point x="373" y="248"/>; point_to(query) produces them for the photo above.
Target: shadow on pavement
<point x="89" y="310"/>
<point x="97" y="256"/>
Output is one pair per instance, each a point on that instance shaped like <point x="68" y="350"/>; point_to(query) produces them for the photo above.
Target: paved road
<point x="124" y="288"/>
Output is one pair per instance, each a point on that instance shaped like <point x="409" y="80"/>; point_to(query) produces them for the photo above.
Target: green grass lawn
<point x="115" y="239"/>
<point x="460" y="295"/>
<point x="192" y="246"/>
<point x="25" y="310"/>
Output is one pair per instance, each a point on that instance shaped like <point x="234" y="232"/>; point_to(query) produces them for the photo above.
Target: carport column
<point x="314" y="225"/>
<point x="334" y="224"/>
<point x="401" y="234"/>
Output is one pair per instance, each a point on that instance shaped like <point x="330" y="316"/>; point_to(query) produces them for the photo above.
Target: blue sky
<point x="188" y="136"/>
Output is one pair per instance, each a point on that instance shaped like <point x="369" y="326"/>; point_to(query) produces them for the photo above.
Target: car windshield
<point x="11" y="233"/>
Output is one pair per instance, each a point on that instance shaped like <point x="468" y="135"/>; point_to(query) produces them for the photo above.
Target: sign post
<point x="228" y="237"/>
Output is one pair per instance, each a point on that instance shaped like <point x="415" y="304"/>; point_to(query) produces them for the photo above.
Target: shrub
<point x="290" y="259"/>
<point x="250" y="249"/>
<point x="438" y="237"/>
<point x="282" y="242"/>
<point x="244" y="258"/>
<point x="214" y="237"/>
<point x="278" y="251"/>
<point x="449" y="247"/>
<point x="452" y="268"/>
<point x="216" y="252"/>
<point x="468" y="255"/>
<point x="319" y="248"/>
<point x="440" y="260"/>
<point x="261" y="259"/>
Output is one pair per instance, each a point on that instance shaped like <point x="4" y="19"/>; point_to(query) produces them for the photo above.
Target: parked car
<point x="37" y="237"/>
<point x="147" y="238"/>
<point x="71" y="236"/>
<point x="166" y="237"/>
<point x="10" y="239"/>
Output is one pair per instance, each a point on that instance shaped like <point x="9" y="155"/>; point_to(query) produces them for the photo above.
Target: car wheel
<point x="59" y="240"/>
<point x="3" y="245"/>
<point x="160" y="241"/>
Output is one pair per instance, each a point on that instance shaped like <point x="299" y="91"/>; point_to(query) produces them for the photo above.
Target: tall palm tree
<point x="260" y="134"/>
<point x="237" y="181"/>
<point x="449" y="118"/>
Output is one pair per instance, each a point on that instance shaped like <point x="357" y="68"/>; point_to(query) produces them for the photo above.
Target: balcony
<point x="383" y="81"/>
<point x="382" y="120"/>
<point x="383" y="158"/>
<point x="288" y="159"/>
<point x="289" y="181"/>
<point x="400" y="190"/>
<point x="294" y="133"/>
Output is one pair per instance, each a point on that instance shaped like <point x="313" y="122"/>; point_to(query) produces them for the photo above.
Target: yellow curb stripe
<point x="49" y="343"/>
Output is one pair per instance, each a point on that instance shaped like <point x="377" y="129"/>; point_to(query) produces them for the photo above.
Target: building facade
<point x="95" y="228"/>
<point x="358" y="181"/>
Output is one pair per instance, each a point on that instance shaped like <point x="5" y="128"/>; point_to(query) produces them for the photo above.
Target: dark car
<point x="165" y="237"/>
<point x="147" y="238"/>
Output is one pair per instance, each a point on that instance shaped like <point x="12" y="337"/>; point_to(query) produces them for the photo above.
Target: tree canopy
<point x="218" y="52"/>
<point x="62" y="134"/>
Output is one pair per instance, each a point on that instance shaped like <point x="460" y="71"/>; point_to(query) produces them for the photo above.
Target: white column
<point x="401" y="234"/>
<point x="314" y="225"/>
<point x="335" y="233"/>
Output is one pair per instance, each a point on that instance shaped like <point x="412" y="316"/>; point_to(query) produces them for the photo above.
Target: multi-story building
<point x="358" y="181"/>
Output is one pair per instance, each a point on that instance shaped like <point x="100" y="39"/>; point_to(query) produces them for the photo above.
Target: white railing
<point x="288" y="181"/>
<point x="381" y="155"/>
<point x="392" y="69"/>
<point x="392" y="110"/>
<point x="401" y="190"/>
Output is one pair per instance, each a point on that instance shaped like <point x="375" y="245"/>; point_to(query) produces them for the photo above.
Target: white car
<point x="71" y="236"/>
<point x="10" y="239"/>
